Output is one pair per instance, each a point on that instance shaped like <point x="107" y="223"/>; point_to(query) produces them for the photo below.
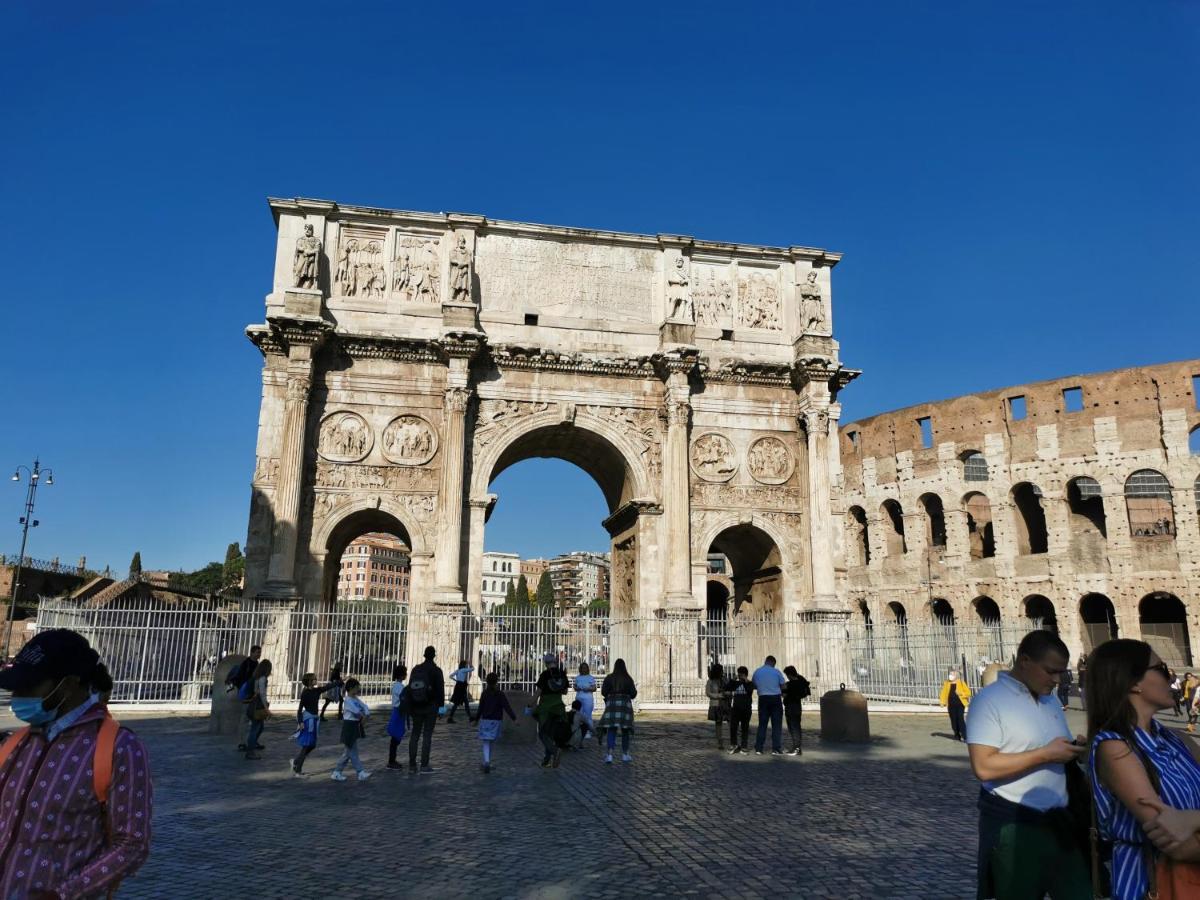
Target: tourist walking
<point x="585" y="694"/>
<point x="461" y="695"/>
<point x="1019" y="743"/>
<point x="397" y="720"/>
<point x="1176" y="692"/>
<point x="493" y="707"/>
<point x="769" y="682"/>
<point x="1064" y="689"/>
<point x="335" y="690"/>
<point x="308" y="719"/>
<point x="258" y="709"/>
<point x="1145" y="782"/>
<point x="424" y="696"/>
<point x="549" y="709"/>
<point x="741" y="706"/>
<point x="619" y="692"/>
<point x="77" y="785"/>
<point x="795" y="692"/>
<point x="1193" y="705"/>
<point x="956" y="697"/>
<point x="1081" y="680"/>
<point x="241" y="676"/>
<point x="718" y="701"/>
<point x="354" y="717"/>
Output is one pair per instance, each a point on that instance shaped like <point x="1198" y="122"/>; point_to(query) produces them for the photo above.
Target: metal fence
<point x="169" y="652"/>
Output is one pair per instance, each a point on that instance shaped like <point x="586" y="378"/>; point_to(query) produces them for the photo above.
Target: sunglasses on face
<point x="1161" y="669"/>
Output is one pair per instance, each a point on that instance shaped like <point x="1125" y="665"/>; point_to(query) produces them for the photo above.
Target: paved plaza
<point x="895" y="818"/>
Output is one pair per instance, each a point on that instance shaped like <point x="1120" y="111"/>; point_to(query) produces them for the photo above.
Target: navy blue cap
<point x="52" y="654"/>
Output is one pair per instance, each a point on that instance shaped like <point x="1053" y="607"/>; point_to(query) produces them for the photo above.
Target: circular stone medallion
<point x="769" y="461"/>
<point x="345" y="437"/>
<point x="409" y="441"/>
<point x="713" y="457"/>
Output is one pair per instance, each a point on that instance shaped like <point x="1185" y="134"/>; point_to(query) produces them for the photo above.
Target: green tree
<point x="135" y="564"/>
<point x="510" y="596"/>
<point x="235" y="565"/>
<point x="523" y="591"/>
<point x="545" y="591"/>
<point x="208" y="580"/>
<point x="598" y="605"/>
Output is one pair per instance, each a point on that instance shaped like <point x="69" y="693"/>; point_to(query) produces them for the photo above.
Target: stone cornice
<point x="363" y="346"/>
<point x="680" y="361"/>
<point x="514" y="356"/>
<point x="627" y="513"/>
<point x="737" y="371"/>
<point x="462" y="344"/>
<point x="283" y="332"/>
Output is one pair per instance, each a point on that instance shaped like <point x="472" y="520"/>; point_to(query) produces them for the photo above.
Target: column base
<point x="279" y="590"/>
<point x="447" y="599"/>
<point x="678" y="604"/>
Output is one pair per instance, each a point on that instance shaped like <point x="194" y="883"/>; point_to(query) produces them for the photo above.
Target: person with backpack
<point x="308" y="720"/>
<point x="461" y="695"/>
<point x="77" y="785"/>
<point x="741" y="706"/>
<point x="794" y="693"/>
<point x="398" y="721"/>
<point x="241" y="676"/>
<point x="335" y="691"/>
<point x="718" y="701"/>
<point x="619" y="692"/>
<point x="354" y="717"/>
<point x="258" y="709"/>
<point x="493" y="706"/>
<point x="424" y="696"/>
<point x="549" y="709"/>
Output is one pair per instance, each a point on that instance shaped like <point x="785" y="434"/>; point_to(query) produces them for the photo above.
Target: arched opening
<point x="1148" y="504"/>
<point x="981" y="537"/>
<point x="864" y="610"/>
<point x="858" y="544"/>
<point x="942" y="611"/>
<point x="899" y="614"/>
<point x="1163" y="620"/>
<point x="1040" y="609"/>
<point x="935" y="520"/>
<point x="755" y="568"/>
<point x="1194" y="441"/>
<point x="1086" y="504"/>
<point x="717" y="622"/>
<point x="1031" y="519"/>
<point x="892" y="517"/>
<point x="987" y="609"/>
<point x="974" y="466"/>
<point x="1099" y="620"/>
<point x="367" y="557"/>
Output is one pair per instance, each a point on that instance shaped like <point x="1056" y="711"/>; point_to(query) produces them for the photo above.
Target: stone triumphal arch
<point x="409" y="358"/>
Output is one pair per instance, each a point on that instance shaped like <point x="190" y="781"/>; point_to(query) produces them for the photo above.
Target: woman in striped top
<point x="1144" y="778"/>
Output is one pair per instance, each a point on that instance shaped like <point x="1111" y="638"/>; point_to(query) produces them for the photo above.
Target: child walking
<point x="461" y="695"/>
<point x="354" y="714"/>
<point x="742" y="691"/>
<point x="398" y="721"/>
<point x="493" y="705"/>
<point x="308" y="719"/>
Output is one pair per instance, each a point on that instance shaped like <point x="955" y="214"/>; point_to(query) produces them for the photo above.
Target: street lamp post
<point x="27" y="521"/>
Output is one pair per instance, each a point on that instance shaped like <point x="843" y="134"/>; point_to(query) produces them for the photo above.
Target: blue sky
<point x="1013" y="186"/>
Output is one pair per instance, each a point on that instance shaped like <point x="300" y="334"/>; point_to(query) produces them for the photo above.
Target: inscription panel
<point x="594" y="281"/>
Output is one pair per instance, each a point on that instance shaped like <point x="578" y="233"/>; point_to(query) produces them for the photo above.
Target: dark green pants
<point x="1028" y="861"/>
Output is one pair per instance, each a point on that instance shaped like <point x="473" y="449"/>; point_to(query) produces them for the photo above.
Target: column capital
<point x="681" y="361"/>
<point x="456" y="399"/>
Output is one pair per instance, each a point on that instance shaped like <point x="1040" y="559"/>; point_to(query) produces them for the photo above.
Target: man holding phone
<point x="1020" y="743"/>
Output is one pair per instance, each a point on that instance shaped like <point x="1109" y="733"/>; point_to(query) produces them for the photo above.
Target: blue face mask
<point x="31" y="710"/>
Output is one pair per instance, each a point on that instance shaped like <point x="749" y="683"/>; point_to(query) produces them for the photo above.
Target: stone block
<point x="844" y="717"/>
<point x="227" y="714"/>
<point x="302" y="302"/>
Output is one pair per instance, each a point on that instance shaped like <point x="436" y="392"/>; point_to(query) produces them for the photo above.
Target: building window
<point x="1016" y="408"/>
<point x="1194" y="441"/>
<point x="853" y="438"/>
<point x="975" y="467"/>
<point x="1148" y="503"/>
<point x="1073" y="399"/>
<point x="926" y="425"/>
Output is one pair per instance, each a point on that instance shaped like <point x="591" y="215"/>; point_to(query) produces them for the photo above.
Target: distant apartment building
<point x="375" y="567"/>
<point x="532" y="569"/>
<point x="579" y="578"/>
<point x="499" y="571"/>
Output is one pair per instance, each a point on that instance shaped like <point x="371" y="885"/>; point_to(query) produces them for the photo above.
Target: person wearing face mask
<point x="80" y="833"/>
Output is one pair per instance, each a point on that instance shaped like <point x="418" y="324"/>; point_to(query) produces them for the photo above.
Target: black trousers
<point x="958" y="721"/>
<point x="739" y="719"/>
<point x="792" y="716"/>
<point x="422" y="730"/>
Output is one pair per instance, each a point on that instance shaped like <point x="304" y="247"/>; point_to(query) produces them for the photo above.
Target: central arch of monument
<point x="409" y="358"/>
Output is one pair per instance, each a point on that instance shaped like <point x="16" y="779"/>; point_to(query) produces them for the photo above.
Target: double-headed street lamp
<point x="35" y="476"/>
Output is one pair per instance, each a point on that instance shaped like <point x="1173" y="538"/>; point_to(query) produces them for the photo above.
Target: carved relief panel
<point x="714" y="457"/>
<point x="713" y="295"/>
<point x="624" y="575"/>
<point x="359" y="270"/>
<point x="416" y="269"/>
<point x="770" y="461"/>
<point x="409" y="441"/>
<point x="758" y="298"/>
<point x="344" y="437"/>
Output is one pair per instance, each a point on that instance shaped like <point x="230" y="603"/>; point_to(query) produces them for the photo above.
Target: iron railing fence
<point x="168" y="652"/>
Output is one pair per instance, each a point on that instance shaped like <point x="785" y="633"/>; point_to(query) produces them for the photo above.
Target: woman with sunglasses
<point x="1145" y="781"/>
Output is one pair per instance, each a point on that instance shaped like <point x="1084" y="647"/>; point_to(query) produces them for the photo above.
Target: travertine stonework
<point x="1108" y="537"/>
<point x="411" y="357"/>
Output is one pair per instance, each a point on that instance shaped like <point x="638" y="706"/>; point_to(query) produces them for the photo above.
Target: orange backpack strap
<point x="7" y="748"/>
<point x="102" y="760"/>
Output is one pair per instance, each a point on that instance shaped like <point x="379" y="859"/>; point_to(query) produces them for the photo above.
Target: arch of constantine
<point x="409" y="358"/>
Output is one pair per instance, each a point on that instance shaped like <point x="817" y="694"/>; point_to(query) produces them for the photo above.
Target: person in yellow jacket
<point x="956" y="696"/>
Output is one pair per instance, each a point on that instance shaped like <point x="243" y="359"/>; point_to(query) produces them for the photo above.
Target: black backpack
<point x="556" y="682"/>
<point x="804" y="690"/>
<point x="418" y="692"/>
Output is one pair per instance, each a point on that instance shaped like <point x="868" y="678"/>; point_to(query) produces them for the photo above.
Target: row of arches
<point x="1148" y="505"/>
<point x="1162" y="619"/>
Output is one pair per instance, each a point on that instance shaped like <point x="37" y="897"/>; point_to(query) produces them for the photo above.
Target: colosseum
<point x="1074" y="501"/>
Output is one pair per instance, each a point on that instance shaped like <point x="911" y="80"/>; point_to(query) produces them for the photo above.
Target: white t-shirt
<point x="1006" y="716"/>
<point x="354" y="710"/>
<point x="397" y="693"/>
<point x="460" y="676"/>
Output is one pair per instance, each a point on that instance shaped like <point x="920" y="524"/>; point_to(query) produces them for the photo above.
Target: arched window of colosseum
<point x="1164" y="627"/>
<point x="975" y="467"/>
<point x="1040" y="611"/>
<point x="892" y="516"/>
<point x="1148" y="502"/>
<point x="858" y="543"/>
<point x="980" y="535"/>
<point x="1086" y="503"/>
<point x="942" y="611"/>
<point x="1194" y="441"/>
<point x="935" y="520"/>
<point x="1099" y="620"/>
<point x="1031" y="518"/>
<point x="899" y="613"/>
<point x="987" y="609"/>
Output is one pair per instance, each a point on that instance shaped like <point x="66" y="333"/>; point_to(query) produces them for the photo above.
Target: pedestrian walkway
<point x="893" y="819"/>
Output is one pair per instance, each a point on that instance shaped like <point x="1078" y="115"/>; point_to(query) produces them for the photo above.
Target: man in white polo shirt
<point x="1019" y="744"/>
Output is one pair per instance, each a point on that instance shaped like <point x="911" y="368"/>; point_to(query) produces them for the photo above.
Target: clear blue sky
<point x="1014" y="186"/>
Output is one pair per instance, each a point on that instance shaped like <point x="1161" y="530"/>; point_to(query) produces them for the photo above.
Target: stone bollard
<point x="524" y="730"/>
<point x="844" y="717"/>
<point x="227" y="714"/>
<point x="991" y="673"/>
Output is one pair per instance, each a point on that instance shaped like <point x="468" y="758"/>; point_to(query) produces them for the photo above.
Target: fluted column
<point x="281" y="577"/>
<point x="450" y="494"/>
<point x="820" y="514"/>
<point x="677" y="494"/>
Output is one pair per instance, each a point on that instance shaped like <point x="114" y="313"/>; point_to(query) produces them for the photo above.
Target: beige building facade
<point x="1073" y="501"/>
<point x="409" y="358"/>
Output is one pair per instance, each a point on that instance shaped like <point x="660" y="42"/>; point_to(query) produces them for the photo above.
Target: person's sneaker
<point x="777" y="753"/>
<point x="733" y="751"/>
<point x="794" y="752"/>
<point x="608" y="758"/>
<point x="394" y="765"/>
<point x="625" y="757"/>
<point x="756" y="752"/>
<point x="296" y="773"/>
<point x="364" y="775"/>
<point x="546" y="763"/>
<point x="337" y="776"/>
<point x="427" y="770"/>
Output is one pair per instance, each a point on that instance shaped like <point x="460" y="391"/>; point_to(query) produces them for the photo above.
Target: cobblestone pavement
<point x="895" y="818"/>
